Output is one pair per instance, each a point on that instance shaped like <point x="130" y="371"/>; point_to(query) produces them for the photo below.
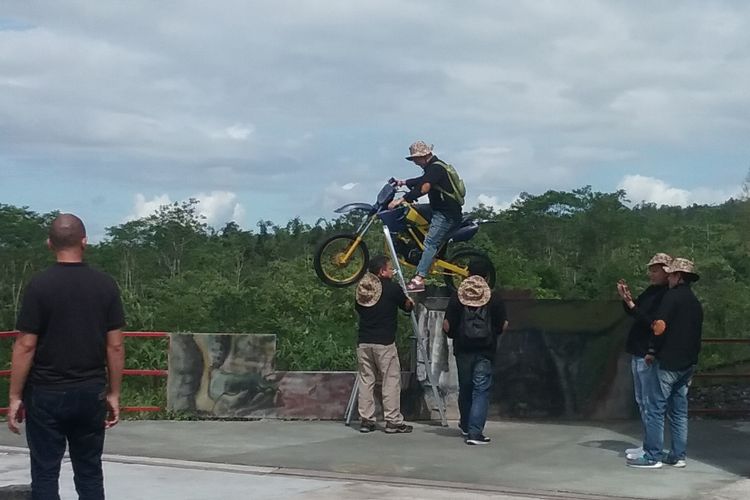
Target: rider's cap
<point x="419" y="149"/>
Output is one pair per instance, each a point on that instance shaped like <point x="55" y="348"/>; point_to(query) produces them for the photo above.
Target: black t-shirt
<point x="71" y="307"/>
<point x="377" y="324"/>
<point x="436" y="175"/>
<point x="454" y="314"/>
<point x="646" y="306"/>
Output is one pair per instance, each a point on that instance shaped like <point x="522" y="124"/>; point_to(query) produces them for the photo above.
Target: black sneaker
<point x="397" y="428"/>
<point x="366" y="426"/>
<point x="464" y="432"/>
<point x="481" y="439"/>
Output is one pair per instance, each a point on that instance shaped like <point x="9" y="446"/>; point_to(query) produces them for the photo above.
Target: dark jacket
<point x="678" y="347"/>
<point x="436" y="175"/>
<point x="646" y="306"/>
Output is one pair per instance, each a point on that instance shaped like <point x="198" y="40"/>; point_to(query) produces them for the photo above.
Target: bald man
<point x="67" y="365"/>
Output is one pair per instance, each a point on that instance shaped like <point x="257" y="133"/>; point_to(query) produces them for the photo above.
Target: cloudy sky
<point x="270" y="110"/>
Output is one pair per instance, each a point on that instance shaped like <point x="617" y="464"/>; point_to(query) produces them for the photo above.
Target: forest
<point x="177" y="274"/>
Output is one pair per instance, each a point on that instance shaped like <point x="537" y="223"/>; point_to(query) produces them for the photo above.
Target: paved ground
<point x="274" y="459"/>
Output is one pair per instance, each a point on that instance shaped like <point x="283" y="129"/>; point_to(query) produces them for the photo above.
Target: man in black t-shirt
<point x="474" y="318"/>
<point x="67" y="365"/>
<point x="378" y="299"/>
<point x="446" y="211"/>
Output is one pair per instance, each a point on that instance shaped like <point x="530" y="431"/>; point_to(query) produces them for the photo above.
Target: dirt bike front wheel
<point x="340" y="260"/>
<point x="461" y="259"/>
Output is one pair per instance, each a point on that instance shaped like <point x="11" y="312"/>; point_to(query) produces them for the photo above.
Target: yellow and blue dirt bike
<point x="341" y="260"/>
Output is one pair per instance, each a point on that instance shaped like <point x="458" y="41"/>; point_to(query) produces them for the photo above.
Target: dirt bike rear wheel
<point x="461" y="258"/>
<point x="330" y="265"/>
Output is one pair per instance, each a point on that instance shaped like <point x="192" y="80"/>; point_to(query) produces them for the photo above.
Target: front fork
<point x="344" y="258"/>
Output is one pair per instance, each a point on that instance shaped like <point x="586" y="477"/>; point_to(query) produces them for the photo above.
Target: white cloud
<point x="217" y="207"/>
<point x="641" y="188"/>
<point x="336" y="195"/>
<point x="237" y="132"/>
<point x="143" y="207"/>
<point x="493" y="202"/>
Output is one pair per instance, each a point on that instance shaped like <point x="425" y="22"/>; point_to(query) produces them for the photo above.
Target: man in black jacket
<point x="676" y="343"/>
<point x="378" y="299"/>
<point x="474" y="318"/>
<point x="446" y="210"/>
<point x="642" y="310"/>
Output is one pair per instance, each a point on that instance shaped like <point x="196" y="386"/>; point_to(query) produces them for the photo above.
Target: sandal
<point x="415" y="286"/>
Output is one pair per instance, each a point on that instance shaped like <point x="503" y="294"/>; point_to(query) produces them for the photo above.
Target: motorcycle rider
<point x="446" y="211"/>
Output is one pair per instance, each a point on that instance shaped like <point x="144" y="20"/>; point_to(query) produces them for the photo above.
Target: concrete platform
<point x="277" y="459"/>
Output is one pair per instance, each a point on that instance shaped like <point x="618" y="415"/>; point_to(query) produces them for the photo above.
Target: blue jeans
<point x="474" y="382"/>
<point x="644" y="378"/>
<point x="668" y="396"/>
<point x="75" y="416"/>
<point x="440" y="226"/>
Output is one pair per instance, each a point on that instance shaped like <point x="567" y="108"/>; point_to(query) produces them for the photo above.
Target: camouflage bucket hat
<point x="419" y="149"/>
<point x="369" y="290"/>
<point x="683" y="266"/>
<point x="660" y="259"/>
<point x="474" y="292"/>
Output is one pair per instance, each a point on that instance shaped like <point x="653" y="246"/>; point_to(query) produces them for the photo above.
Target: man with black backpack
<point x="446" y="191"/>
<point x="475" y="317"/>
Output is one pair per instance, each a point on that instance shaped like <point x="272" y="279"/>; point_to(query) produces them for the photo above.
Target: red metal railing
<point x="128" y="372"/>
<point x="164" y="373"/>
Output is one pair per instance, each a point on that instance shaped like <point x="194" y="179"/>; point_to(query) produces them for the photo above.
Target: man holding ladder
<point x="378" y="299"/>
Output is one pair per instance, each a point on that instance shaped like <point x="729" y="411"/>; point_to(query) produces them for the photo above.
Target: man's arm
<point x="23" y="356"/>
<point x="423" y="185"/>
<point x="499" y="312"/>
<point x="659" y="324"/>
<point x="640" y="314"/>
<point x="115" y="365"/>
<point x="451" y="316"/>
<point x="415" y="193"/>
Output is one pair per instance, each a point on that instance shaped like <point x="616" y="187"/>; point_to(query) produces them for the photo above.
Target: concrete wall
<point x="559" y="359"/>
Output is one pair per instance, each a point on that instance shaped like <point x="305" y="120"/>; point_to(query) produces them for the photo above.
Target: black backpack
<point x="476" y="326"/>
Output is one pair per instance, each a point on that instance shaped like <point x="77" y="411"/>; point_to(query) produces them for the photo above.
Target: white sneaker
<point x="680" y="464"/>
<point x="633" y="456"/>
<point x="634" y="451"/>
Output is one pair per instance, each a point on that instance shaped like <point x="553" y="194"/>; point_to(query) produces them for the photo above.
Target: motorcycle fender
<point x="353" y="206"/>
<point x="465" y="233"/>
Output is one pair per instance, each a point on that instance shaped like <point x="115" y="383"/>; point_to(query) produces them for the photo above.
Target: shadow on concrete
<point x="722" y="444"/>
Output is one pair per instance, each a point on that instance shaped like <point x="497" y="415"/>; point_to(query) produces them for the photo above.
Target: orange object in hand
<point x="659" y="326"/>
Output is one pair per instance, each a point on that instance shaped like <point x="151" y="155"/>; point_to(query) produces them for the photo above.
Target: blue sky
<point x="270" y="110"/>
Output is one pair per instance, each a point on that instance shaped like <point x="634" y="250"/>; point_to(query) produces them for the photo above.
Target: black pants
<point x="75" y="416"/>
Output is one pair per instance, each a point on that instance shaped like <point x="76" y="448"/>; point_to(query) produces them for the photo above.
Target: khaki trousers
<point x="374" y="359"/>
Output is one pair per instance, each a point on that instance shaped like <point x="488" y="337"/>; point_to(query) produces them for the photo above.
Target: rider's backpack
<point x="459" y="189"/>
<point x="476" y="325"/>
